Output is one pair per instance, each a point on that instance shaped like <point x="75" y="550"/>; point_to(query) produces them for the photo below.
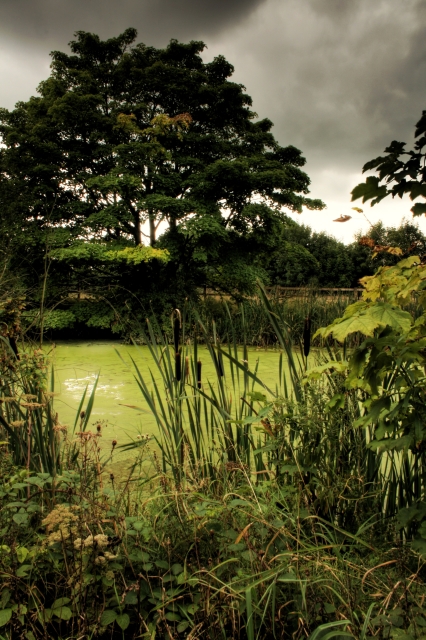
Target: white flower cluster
<point x="100" y="541"/>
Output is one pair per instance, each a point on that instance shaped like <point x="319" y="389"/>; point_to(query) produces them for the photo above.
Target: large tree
<point x="123" y="133"/>
<point x="124" y="140"/>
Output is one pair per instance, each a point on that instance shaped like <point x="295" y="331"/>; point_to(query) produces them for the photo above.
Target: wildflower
<point x="100" y="560"/>
<point x="101" y="540"/>
<point x="29" y="396"/>
<point x="17" y="424"/>
<point x="8" y="399"/>
<point x="110" y="556"/>
<point x="109" y="575"/>
<point x="60" y="523"/>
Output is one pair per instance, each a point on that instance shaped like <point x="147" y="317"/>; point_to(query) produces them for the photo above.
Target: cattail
<point x="186" y="368"/>
<point x="307" y="336"/>
<point x="218" y="364"/>
<point x="176" y="329"/>
<point x="199" y="365"/>
<point x="178" y="369"/>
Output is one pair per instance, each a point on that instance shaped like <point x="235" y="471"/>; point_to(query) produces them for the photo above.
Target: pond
<point x="77" y="364"/>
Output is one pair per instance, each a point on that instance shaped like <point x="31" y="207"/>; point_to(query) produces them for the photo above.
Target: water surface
<point x="77" y="364"/>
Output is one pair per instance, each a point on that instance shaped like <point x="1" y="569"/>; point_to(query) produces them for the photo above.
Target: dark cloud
<point x="44" y="23"/>
<point x="339" y="78"/>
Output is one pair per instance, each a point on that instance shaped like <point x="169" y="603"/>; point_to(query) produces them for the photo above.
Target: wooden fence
<point x="281" y="293"/>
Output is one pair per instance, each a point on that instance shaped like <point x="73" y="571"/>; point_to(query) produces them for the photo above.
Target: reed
<point x="232" y="426"/>
<point x="29" y="425"/>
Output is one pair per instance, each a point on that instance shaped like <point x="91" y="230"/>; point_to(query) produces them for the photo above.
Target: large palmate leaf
<point x="386" y="315"/>
<point x="361" y="322"/>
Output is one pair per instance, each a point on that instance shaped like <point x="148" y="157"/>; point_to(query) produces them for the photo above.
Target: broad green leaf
<point x="123" y="621"/>
<point x="5" y="616"/>
<point x="176" y="569"/>
<point x="418" y="209"/>
<point x="63" y="613"/>
<point x="60" y="602"/>
<point x="369" y="189"/>
<point x="108" y="616"/>
<point x="386" y="315"/>
<point x="336" y="402"/>
<point x="131" y="598"/>
<point x="173" y="617"/>
<point x="21" y="554"/>
<point x="182" y="626"/>
<point x="20" y="518"/>
<point x="22" y="571"/>
<point x="363" y="323"/>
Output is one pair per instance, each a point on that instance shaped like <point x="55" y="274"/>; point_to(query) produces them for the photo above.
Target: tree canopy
<point x="122" y="133"/>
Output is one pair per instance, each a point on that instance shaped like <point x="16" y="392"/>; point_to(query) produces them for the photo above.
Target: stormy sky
<point x="340" y="79"/>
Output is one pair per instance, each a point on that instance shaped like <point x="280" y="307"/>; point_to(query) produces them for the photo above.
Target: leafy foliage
<point x="397" y="176"/>
<point x="388" y="370"/>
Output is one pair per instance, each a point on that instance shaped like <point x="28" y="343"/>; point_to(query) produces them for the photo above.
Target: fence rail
<point x="294" y="292"/>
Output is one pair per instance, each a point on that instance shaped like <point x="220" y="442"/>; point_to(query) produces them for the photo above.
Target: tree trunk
<point x="152" y="229"/>
<point x="138" y="230"/>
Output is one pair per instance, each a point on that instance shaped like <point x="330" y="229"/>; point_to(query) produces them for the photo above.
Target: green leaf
<point x="63" y="613"/>
<point x="123" y="621"/>
<point x="386" y="315"/>
<point x="418" y="209"/>
<point x="131" y="598"/>
<point x="22" y="571"/>
<point x="182" y="626"/>
<point x="336" y="402"/>
<point x="108" y="616"/>
<point x="60" y="602"/>
<point x="362" y="323"/>
<point x="176" y="569"/>
<point x="192" y="608"/>
<point x="20" y="518"/>
<point x="173" y="617"/>
<point x="5" y="616"/>
<point x="21" y="554"/>
<point x="369" y="189"/>
<point x="162" y="564"/>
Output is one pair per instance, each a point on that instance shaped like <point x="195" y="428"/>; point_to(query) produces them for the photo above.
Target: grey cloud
<point x="51" y="23"/>
<point x="340" y="79"/>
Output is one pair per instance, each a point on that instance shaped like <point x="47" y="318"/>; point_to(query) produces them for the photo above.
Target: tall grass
<point x="266" y="517"/>
<point x="29" y="424"/>
<point x="250" y="321"/>
<point x="234" y="424"/>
